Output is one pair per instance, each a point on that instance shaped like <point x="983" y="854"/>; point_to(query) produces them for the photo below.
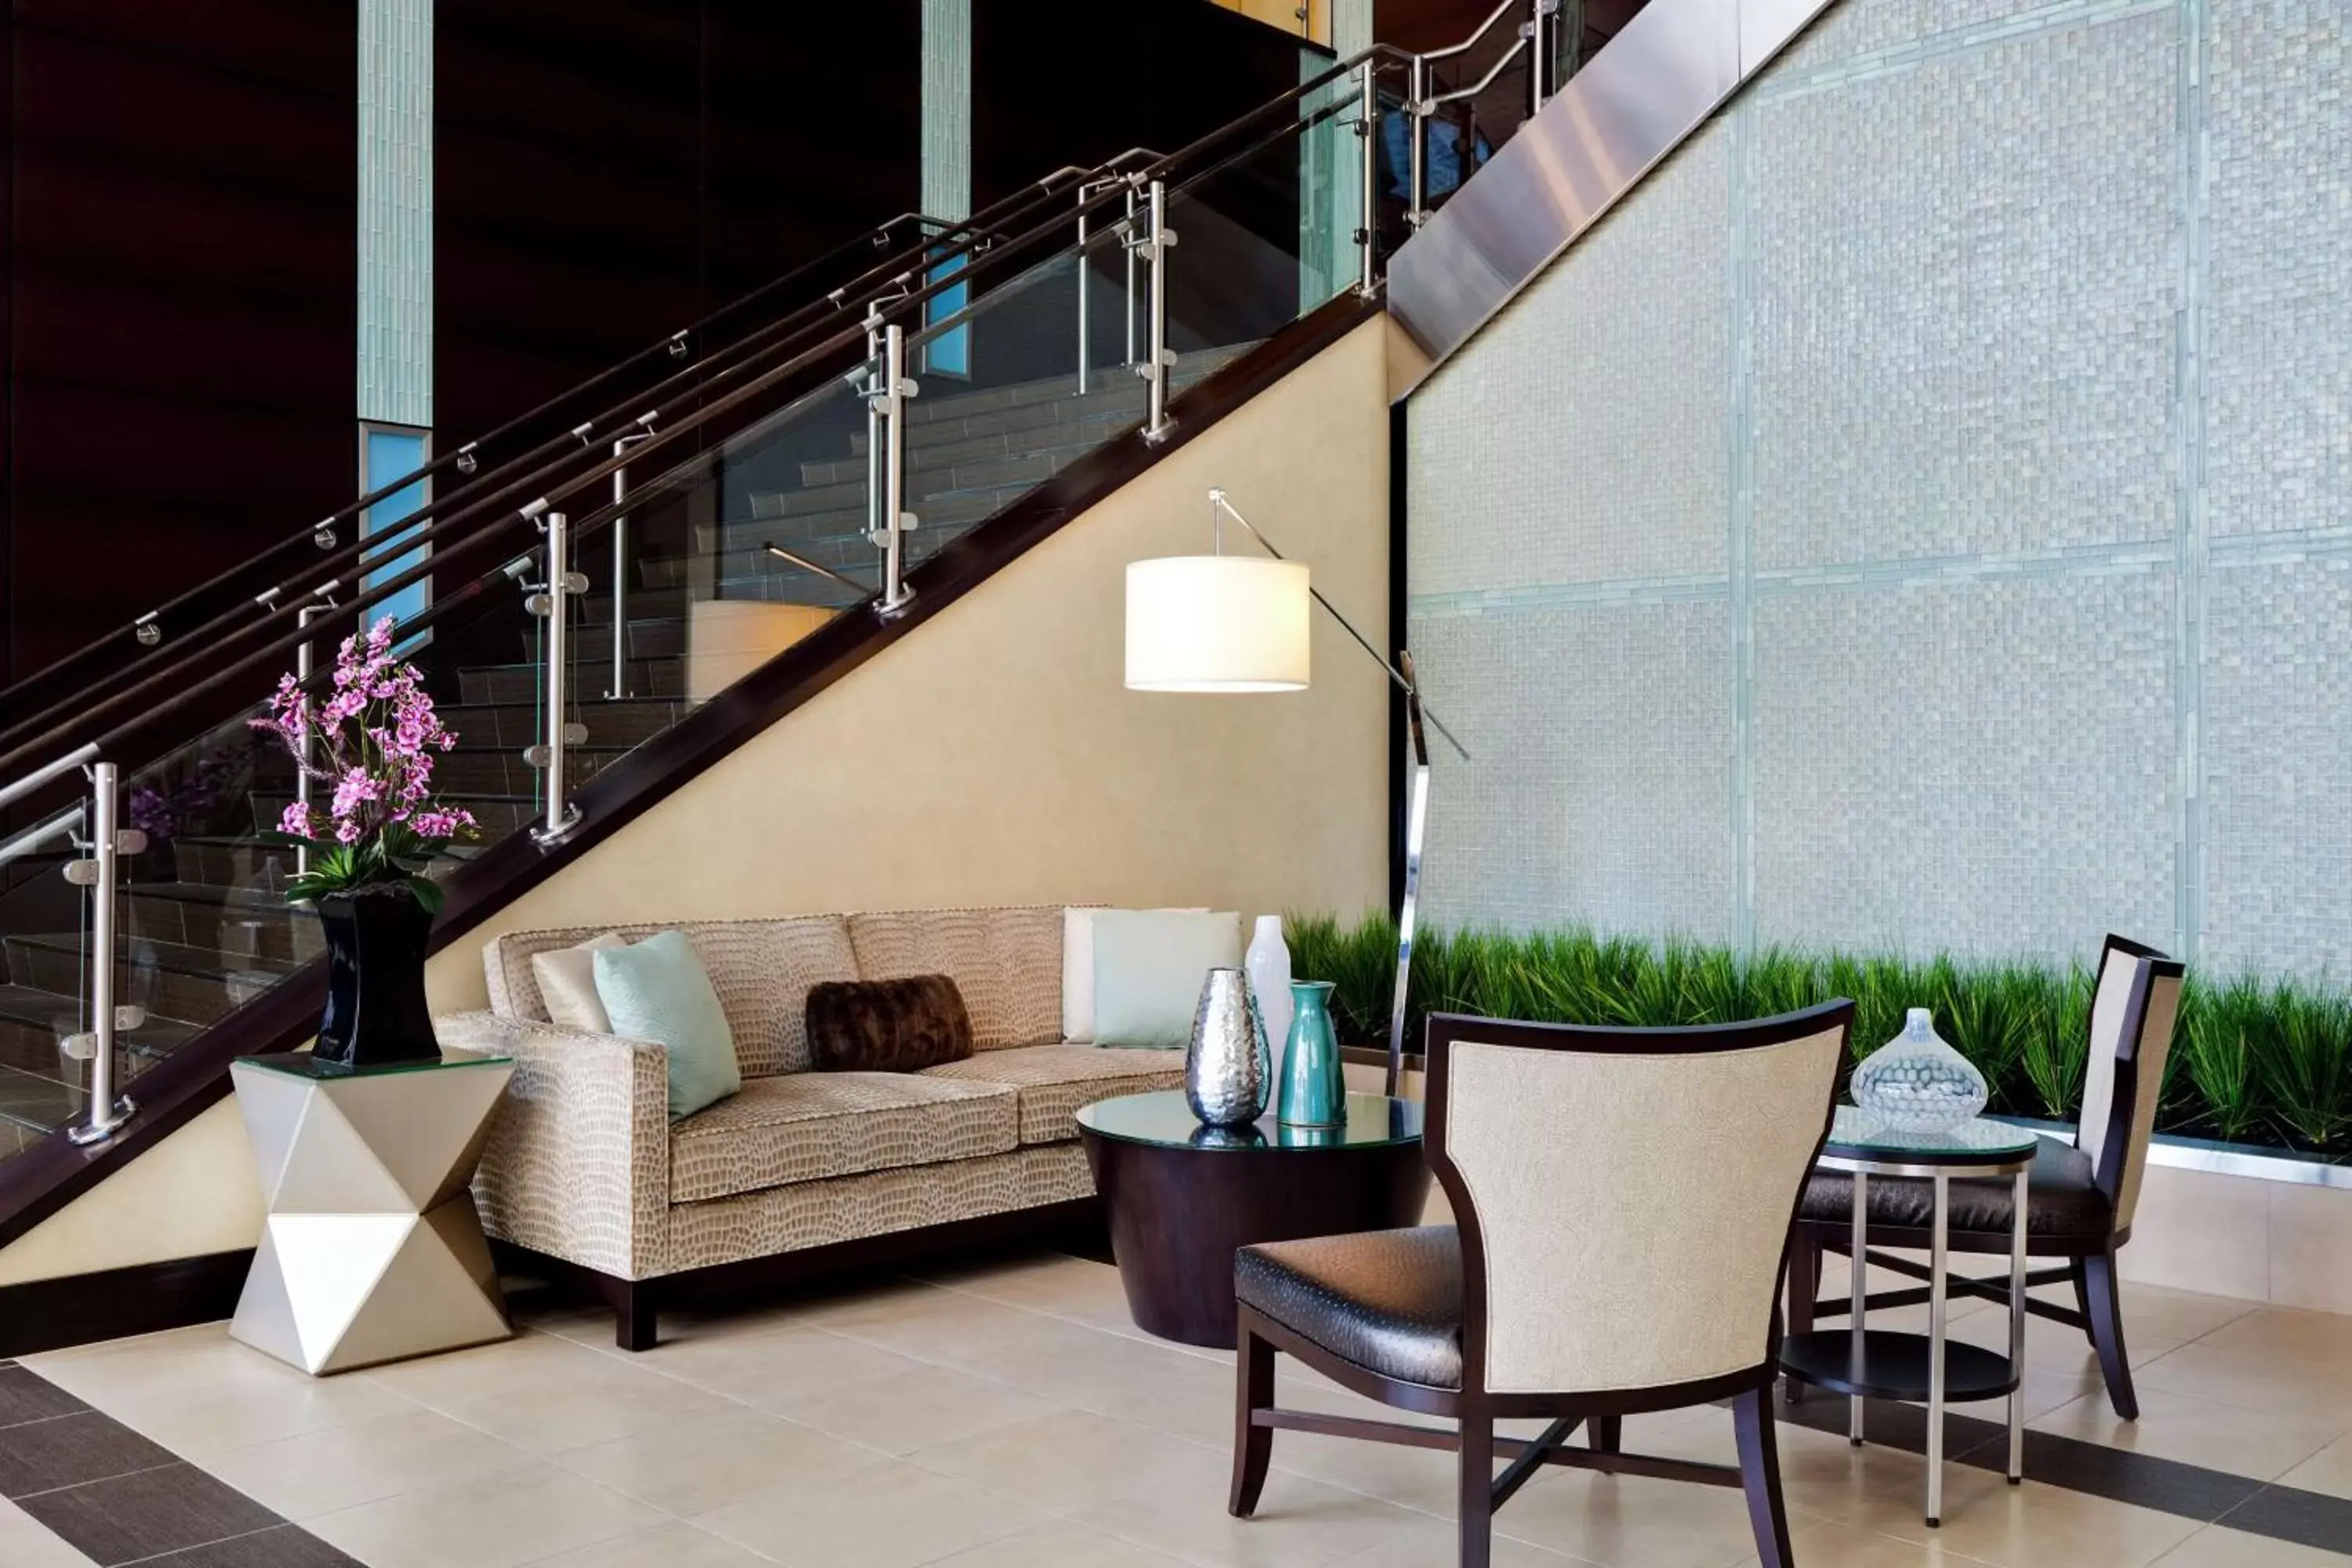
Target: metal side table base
<point x="1862" y="1363"/>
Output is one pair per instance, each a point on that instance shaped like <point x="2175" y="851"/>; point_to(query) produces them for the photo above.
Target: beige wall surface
<point x="192" y="1194"/>
<point x="992" y="757"/>
<point x="995" y="757"/>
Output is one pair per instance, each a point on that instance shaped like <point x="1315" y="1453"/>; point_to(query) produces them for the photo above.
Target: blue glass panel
<point x="950" y="354"/>
<point x="391" y="453"/>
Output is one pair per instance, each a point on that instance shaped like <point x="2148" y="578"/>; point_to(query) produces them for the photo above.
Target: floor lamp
<point x="1224" y="623"/>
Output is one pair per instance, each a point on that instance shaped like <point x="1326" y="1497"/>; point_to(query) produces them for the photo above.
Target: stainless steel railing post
<point x="1416" y="111"/>
<point x="304" y="663"/>
<point x="618" y="687"/>
<point x="1367" y="133"/>
<point x="1130" y="247"/>
<point x="1155" y="369"/>
<point x="1538" y="63"/>
<point x="876" y="404"/>
<point x="1085" y="301"/>
<point x="551" y="756"/>
<point x="107" y="1112"/>
<point x="893" y="519"/>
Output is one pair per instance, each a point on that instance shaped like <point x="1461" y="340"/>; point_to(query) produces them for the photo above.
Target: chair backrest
<point x="1625" y="1197"/>
<point x="2134" y="1003"/>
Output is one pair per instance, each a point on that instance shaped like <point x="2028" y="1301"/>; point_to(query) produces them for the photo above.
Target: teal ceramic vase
<point x="1314" y="1089"/>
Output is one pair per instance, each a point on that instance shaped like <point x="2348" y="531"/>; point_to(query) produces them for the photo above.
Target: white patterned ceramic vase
<point x="1268" y="964"/>
<point x="1916" y="1082"/>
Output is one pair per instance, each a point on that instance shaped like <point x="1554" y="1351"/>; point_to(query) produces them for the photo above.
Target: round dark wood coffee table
<point x="1183" y="1198"/>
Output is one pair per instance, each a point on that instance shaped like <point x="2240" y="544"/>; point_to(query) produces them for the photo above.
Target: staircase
<point x="203" y="922"/>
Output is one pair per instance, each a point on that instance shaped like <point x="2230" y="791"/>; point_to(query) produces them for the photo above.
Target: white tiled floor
<point x="1011" y="1416"/>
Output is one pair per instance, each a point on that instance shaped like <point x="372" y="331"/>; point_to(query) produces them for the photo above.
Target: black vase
<point x="376" y="979"/>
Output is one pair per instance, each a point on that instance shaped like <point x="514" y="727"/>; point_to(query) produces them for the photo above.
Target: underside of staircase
<point x="206" y="935"/>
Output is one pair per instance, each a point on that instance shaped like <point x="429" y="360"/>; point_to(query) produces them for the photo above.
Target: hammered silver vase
<point x="1228" y="1068"/>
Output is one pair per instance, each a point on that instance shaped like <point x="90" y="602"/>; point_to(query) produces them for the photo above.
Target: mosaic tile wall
<point x="1921" y="517"/>
<point x="395" y="211"/>
<point x="947" y="108"/>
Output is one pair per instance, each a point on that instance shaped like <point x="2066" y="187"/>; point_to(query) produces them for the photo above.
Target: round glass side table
<point x="1864" y="1362"/>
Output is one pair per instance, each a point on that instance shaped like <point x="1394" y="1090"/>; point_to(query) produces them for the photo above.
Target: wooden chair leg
<point x="2081" y="1294"/>
<point x="1804" y="1290"/>
<point x="1608" y="1434"/>
<point x="1475" y="1503"/>
<point x="2104" y="1307"/>
<point x="1252" y="1444"/>
<point x="1759" y="1476"/>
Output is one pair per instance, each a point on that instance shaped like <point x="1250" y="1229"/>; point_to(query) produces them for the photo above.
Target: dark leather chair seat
<point x="1389" y="1301"/>
<point x="2060" y="1199"/>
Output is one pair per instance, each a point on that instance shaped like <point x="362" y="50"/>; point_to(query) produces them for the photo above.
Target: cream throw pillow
<point x="1078" y="970"/>
<point x="567" y="983"/>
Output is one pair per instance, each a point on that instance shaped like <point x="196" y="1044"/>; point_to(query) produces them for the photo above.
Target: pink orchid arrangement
<point x="371" y="743"/>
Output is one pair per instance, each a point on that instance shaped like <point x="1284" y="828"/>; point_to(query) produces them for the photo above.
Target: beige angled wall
<point x="995" y="757"/>
<point x="992" y="757"/>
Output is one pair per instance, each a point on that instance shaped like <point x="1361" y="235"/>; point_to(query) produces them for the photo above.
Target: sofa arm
<point x="577" y="1161"/>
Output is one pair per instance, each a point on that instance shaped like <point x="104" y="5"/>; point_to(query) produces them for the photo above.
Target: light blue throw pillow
<point x="1148" y="968"/>
<point x="657" y="990"/>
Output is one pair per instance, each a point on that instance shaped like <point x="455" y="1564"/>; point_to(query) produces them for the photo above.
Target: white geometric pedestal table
<point x="373" y="1250"/>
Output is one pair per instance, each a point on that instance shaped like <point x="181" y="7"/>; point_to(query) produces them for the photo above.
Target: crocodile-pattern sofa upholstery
<point x="584" y="1165"/>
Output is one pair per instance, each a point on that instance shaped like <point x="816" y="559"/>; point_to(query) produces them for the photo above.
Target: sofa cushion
<point x="1007" y="964"/>
<point x="762" y="970"/>
<point x="1054" y="1081"/>
<point x="806" y="1127"/>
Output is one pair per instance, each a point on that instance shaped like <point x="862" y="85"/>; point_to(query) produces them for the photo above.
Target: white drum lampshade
<point x="1216" y="623"/>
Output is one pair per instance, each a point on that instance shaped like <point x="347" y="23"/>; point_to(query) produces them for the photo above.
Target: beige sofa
<point x="585" y="1173"/>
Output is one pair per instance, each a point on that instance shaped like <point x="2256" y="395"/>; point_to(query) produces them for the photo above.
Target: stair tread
<point x="222" y="893"/>
<point x="32" y="1006"/>
<point x="29" y="1101"/>
<point x="146" y="954"/>
<point x="461" y="797"/>
<point x="482" y="748"/>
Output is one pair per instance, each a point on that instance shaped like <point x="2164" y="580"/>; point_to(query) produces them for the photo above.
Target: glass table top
<point x="1858" y="1136"/>
<point x="302" y="1064"/>
<point x="1166" y="1121"/>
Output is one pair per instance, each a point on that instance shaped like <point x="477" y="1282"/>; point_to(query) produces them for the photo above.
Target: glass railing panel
<point x="1239" y="271"/>
<point x="743" y="527"/>
<point x="203" y="921"/>
<point x="1035" y="392"/>
<point x="44" y="1066"/>
<point x="1330" y="185"/>
<point x="741" y="551"/>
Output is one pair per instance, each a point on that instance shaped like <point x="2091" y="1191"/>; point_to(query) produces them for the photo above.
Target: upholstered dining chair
<point x="2079" y="1196"/>
<point x="1622" y="1204"/>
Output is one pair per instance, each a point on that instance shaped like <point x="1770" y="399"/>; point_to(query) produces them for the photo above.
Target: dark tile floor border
<point x="2119" y="1474"/>
<point x="116" y="1498"/>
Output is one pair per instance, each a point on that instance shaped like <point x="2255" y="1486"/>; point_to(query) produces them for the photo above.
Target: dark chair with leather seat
<point x="2079" y="1196"/>
<point x="1623" y="1201"/>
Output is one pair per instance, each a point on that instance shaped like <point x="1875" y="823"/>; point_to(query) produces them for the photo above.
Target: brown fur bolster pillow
<point x="887" y="1026"/>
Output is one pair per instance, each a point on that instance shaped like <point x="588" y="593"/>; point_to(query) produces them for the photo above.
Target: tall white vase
<point x="1268" y="964"/>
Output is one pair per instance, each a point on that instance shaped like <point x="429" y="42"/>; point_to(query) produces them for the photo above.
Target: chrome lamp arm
<point x="1416" y="820"/>
<point x="1400" y="673"/>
